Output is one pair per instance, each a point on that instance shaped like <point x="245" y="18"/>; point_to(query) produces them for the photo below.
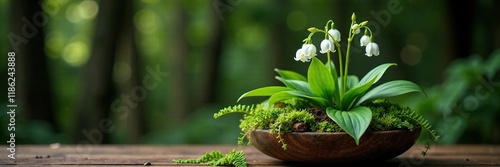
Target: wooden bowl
<point x="335" y="147"/>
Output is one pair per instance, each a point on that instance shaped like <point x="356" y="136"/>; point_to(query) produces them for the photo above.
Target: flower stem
<point x="346" y="70"/>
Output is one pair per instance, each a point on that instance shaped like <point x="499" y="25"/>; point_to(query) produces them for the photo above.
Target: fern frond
<point x="212" y="156"/>
<point x="216" y="158"/>
<point x="425" y="124"/>
<point x="422" y="122"/>
<point x="245" y="109"/>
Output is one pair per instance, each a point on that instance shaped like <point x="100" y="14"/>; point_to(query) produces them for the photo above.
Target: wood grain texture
<point x="337" y="147"/>
<point x="162" y="155"/>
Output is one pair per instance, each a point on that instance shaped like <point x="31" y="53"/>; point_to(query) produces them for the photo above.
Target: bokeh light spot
<point x="251" y="37"/>
<point x="88" y="9"/>
<point x="418" y="40"/>
<point x="296" y="20"/>
<point x="146" y="21"/>
<point x="411" y="55"/>
<point x="54" y="44"/>
<point x="197" y="33"/>
<point x="151" y="45"/>
<point x="121" y="72"/>
<point x="76" y="53"/>
<point x="72" y="14"/>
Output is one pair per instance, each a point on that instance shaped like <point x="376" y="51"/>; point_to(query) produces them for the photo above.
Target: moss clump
<point x="281" y="117"/>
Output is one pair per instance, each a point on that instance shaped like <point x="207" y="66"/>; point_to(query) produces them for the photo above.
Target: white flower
<point x="365" y="39"/>
<point x="309" y="51"/>
<point x="300" y="56"/>
<point x="372" y="49"/>
<point x="355" y="29"/>
<point x="327" y="46"/>
<point x="335" y="33"/>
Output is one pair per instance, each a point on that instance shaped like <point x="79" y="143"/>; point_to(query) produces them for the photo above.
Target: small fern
<point x="245" y="109"/>
<point x="216" y="158"/>
<point x="422" y="122"/>
<point x="425" y="124"/>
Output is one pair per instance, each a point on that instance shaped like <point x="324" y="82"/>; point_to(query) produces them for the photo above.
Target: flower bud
<point x="312" y="29"/>
<point x="353" y="17"/>
<point x="364" y="23"/>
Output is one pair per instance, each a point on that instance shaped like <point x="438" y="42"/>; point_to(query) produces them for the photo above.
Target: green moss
<point x="326" y="126"/>
<point x="285" y="121"/>
<point x="281" y="117"/>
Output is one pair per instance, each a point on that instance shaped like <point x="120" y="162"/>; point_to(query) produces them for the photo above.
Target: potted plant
<point x="331" y="116"/>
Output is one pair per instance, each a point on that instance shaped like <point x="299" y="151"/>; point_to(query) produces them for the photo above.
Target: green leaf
<point x="390" y="89"/>
<point x="264" y="91"/>
<point x="297" y="85"/>
<point x="352" y="81"/>
<point x="336" y="92"/>
<point x="290" y="75"/>
<point x="351" y="96"/>
<point x="376" y="73"/>
<point x="281" y="96"/>
<point x="354" y="122"/>
<point x="320" y="79"/>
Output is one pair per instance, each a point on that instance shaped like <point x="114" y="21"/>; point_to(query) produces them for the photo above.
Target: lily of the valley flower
<point x="327" y="46"/>
<point x="300" y="56"/>
<point x="372" y="49"/>
<point x="335" y="34"/>
<point x="355" y="29"/>
<point x="309" y="50"/>
<point x="365" y="39"/>
<point x="306" y="53"/>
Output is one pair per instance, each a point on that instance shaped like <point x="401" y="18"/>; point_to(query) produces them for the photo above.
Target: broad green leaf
<point x="281" y="96"/>
<point x="351" y="96"/>
<point x="376" y="73"/>
<point x="285" y="74"/>
<point x="390" y="89"/>
<point x="352" y="81"/>
<point x="297" y="85"/>
<point x="353" y="122"/>
<point x="320" y="79"/>
<point x="336" y="92"/>
<point x="264" y="91"/>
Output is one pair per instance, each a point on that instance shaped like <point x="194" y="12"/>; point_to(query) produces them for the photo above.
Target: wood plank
<point x="133" y="155"/>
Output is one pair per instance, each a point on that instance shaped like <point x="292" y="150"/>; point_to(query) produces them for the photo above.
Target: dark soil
<point x="319" y="115"/>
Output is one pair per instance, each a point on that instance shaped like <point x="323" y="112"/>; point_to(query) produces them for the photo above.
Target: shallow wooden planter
<point x="337" y="147"/>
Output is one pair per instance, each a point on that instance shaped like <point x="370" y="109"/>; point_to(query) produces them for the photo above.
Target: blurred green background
<point x="155" y="71"/>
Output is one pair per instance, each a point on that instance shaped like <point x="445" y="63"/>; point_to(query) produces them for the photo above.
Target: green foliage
<point x="216" y="158"/>
<point x="341" y="95"/>
<point x="355" y="122"/>
<point x="245" y="109"/>
<point x="464" y="108"/>
<point x="325" y="126"/>
<point x="285" y="121"/>
<point x="422" y="122"/>
<point x="281" y="118"/>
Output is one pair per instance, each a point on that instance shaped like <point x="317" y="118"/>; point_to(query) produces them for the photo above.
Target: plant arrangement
<point x="329" y="99"/>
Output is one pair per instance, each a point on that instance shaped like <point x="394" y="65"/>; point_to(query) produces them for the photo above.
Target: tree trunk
<point x="94" y="103"/>
<point x="212" y="60"/>
<point x="27" y="38"/>
<point x="135" y="119"/>
<point x="178" y="94"/>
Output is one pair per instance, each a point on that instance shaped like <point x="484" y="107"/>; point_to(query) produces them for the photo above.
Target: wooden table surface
<point x="161" y="155"/>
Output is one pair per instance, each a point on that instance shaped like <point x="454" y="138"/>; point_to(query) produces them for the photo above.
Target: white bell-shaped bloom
<point x="335" y="33"/>
<point x="365" y="39"/>
<point x="309" y="51"/>
<point x="327" y="46"/>
<point x="300" y="56"/>
<point x="372" y="49"/>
